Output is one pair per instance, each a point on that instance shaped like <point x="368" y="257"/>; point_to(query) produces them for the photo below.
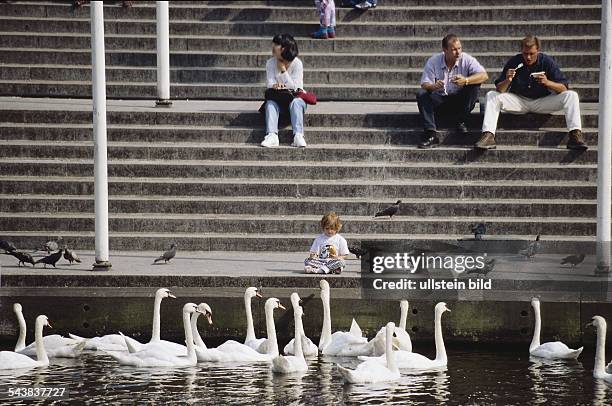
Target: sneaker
<point x="331" y="32"/>
<point x="309" y="269"/>
<point x="270" y="140"/>
<point x="298" y="141"/>
<point x="320" y="34"/>
<point x="337" y="271"/>
<point x="576" y="141"/>
<point x="364" y="5"/>
<point x="487" y="141"/>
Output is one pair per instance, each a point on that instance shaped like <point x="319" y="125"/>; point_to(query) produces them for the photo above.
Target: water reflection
<point x="471" y="377"/>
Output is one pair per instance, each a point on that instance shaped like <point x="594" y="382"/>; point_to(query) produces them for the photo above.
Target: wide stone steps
<point x="252" y="205"/>
<point x="316" y="135"/>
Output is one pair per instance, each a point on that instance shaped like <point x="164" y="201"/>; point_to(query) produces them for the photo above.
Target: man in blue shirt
<point x="532" y="82"/>
<point x="450" y="83"/>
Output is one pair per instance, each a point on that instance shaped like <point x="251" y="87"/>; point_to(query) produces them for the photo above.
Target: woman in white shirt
<point x="284" y="71"/>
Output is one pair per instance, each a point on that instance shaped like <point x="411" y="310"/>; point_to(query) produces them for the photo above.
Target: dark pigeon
<point x="479" y="231"/>
<point x="168" y="255"/>
<point x="23" y="257"/>
<point x="71" y="256"/>
<point x="357" y="251"/>
<point x="50" y="259"/>
<point x="489" y="265"/>
<point x="573" y="260"/>
<point x="389" y="211"/>
<point x="7" y="246"/>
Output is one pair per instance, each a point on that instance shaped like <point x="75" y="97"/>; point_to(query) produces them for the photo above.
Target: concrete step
<point x="307" y="45"/>
<point x="315" y="135"/>
<point x="246" y="76"/>
<point x="474" y="27"/>
<point x="319" y="170"/>
<point x="313" y="206"/>
<point x="331" y="153"/>
<point x="324" y="60"/>
<point x="285" y="242"/>
<point x="384" y="13"/>
<point x="390" y="3"/>
<point x="390" y="190"/>
<point x="299" y="224"/>
<point x="329" y="115"/>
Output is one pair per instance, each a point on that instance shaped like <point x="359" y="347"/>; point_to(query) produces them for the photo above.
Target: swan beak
<point x="49" y="324"/>
<point x="171" y="295"/>
<point x="258" y="295"/>
<point x="589" y="324"/>
<point x="280" y="306"/>
<point x="448" y="310"/>
<point x="209" y="318"/>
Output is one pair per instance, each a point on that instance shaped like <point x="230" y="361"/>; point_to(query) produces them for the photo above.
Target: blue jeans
<point x="297" y="108"/>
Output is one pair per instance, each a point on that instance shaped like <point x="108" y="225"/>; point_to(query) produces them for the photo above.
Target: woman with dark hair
<point x="284" y="71"/>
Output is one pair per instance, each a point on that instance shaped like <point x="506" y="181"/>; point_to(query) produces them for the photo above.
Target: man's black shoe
<point x="431" y="139"/>
<point x="462" y="128"/>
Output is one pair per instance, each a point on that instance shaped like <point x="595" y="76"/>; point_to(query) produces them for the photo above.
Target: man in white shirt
<point x="284" y="71"/>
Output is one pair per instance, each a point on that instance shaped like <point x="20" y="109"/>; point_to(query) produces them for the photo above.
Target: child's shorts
<point x="316" y="265"/>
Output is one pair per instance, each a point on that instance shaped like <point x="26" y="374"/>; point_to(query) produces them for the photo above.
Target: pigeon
<point x="357" y="251"/>
<point x="51" y="246"/>
<point x="479" y="231"/>
<point x="71" y="256"/>
<point x="50" y="259"/>
<point x="7" y="246"/>
<point x="573" y="260"/>
<point x="23" y="257"/>
<point x="532" y="249"/>
<point x="389" y="211"/>
<point x="489" y="265"/>
<point x="168" y="255"/>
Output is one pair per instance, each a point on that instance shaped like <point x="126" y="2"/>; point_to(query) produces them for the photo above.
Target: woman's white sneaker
<point x="298" y="141"/>
<point x="270" y="140"/>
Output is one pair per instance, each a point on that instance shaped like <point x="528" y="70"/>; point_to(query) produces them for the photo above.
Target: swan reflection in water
<point x="545" y="374"/>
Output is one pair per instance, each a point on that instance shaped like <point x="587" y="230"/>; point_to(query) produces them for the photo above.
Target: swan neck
<point x="389" y="350"/>
<point x="403" y="318"/>
<point x="440" y="349"/>
<point x="41" y="353"/>
<point x="250" y="334"/>
<point x="21" y="341"/>
<point x="194" y="330"/>
<point x="535" y="341"/>
<point x="189" y="336"/>
<point x="156" y="319"/>
<point x="600" y="353"/>
<point x="271" y="332"/>
<point x="326" y="329"/>
<point x="297" y="346"/>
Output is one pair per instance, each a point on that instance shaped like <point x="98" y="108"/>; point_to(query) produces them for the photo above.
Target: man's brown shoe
<point x="487" y="141"/>
<point x="576" y="141"/>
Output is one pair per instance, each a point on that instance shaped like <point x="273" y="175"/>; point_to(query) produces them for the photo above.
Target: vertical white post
<point x="163" y="54"/>
<point x="604" y="144"/>
<point x="99" y="135"/>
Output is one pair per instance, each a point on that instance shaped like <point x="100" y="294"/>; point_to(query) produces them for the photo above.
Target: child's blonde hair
<point x="331" y="220"/>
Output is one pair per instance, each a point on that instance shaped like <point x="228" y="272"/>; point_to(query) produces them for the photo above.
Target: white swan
<point x="251" y="340"/>
<point x="233" y="351"/>
<point x="13" y="360"/>
<point x="411" y="360"/>
<point x="56" y="346"/>
<point x="309" y="349"/>
<point x="599" y="371"/>
<point x="157" y="355"/>
<point x="117" y="342"/>
<point x="551" y="350"/>
<point x="293" y="363"/>
<point x="372" y="371"/>
<point x="401" y="339"/>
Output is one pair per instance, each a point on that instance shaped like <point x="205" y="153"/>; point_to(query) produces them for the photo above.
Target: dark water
<point x="473" y="377"/>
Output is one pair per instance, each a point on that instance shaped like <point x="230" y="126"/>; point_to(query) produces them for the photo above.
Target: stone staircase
<point x="194" y="173"/>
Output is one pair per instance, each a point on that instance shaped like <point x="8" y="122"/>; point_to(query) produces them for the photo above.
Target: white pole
<point x="163" y="54"/>
<point x="604" y="144"/>
<point x="99" y="136"/>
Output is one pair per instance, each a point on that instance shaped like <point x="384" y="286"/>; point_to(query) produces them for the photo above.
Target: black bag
<point x="283" y="97"/>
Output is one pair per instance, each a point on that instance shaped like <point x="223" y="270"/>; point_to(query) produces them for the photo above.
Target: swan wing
<point x="355" y="329"/>
<point x="402" y="340"/>
<point x="346" y="344"/>
<point x="256" y="344"/>
<point x="14" y="360"/>
<point x="609" y="368"/>
<point x="406" y="360"/>
<point x="555" y="350"/>
<point x="369" y="372"/>
<point x="230" y="351"/>
<point x="288" y="364"/>
<point x="308" y="347"/>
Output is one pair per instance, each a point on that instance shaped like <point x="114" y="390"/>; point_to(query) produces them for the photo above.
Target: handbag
<point x="308" y="97"/>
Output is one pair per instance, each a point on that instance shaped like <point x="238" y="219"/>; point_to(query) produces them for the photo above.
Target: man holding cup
<point x="532" y="82"/>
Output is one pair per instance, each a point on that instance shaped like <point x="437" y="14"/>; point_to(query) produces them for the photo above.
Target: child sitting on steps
<point x="328" y="250"/>
<point x="327" y="11"/>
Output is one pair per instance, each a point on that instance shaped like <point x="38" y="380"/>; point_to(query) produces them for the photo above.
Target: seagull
<point x="168" y="255"/>
<point x="573" y="260"/>
<point x="71" y="256"/>
<point x="7" y="246"/>
<point x="50" y="259"/>
<point x="23" y="257"/>
<point x="479" y="231"/>
<point x="357" y="251"/>
<point x="489" y="265"/>
<point x="389" y="211"/>
<point x="532" y="249"/>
